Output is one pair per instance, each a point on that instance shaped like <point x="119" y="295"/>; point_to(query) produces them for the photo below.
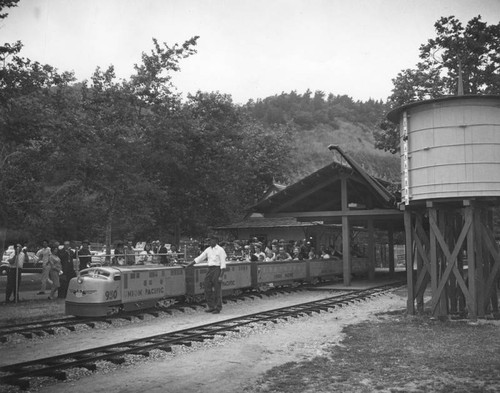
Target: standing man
<point x="162" y="253"/>
<point x="216" y="260"/>
<point x="67" y="257"/>
<point x="84" y="256"/>
<point x="130" y="253"/>
<point x="44" y="254"/>
<point x="14" y="274"/>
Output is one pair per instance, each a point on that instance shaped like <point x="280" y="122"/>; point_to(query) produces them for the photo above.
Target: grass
<point x="400" y="354"/>
<point x="32" y="310"/>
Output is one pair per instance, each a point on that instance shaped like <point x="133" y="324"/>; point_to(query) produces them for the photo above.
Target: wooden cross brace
<point x="451" y="258"/>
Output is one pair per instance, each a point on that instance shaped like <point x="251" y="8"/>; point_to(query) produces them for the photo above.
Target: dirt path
<point x="229" y="364"/>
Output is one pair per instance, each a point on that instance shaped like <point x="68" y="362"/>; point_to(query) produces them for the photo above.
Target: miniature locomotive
<point x="105" y="290"/>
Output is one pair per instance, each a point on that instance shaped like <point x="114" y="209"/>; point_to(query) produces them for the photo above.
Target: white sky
<point x="247" y="48"/>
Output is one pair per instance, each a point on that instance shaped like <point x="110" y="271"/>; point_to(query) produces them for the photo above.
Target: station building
<point x="334" y="205"/>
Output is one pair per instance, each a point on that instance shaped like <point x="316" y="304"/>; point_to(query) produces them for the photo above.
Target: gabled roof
<point x="321" y="191"/>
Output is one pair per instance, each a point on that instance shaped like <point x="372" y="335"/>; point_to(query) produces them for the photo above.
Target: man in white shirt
<point x="216" y="261"/>
<point x="14" y="274"/>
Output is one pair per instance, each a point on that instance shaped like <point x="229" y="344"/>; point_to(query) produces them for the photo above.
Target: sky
<point x="249" y="49"/>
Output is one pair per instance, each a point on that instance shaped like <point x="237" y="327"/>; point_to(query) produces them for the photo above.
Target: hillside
<point x="355" y="139"/>
<point x="317" y="120"/>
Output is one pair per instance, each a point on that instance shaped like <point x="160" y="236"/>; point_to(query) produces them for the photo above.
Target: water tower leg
<point x="479" y="276"/>
<point x="421" y="245"/>
<point x="410" y="304"/>
<point x="471" y="271"/>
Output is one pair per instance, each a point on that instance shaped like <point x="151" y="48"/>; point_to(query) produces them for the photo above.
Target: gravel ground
<point x="226" y="364"/>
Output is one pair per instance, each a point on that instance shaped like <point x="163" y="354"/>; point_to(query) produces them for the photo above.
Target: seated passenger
<point x="238" y="254"/>
<point x="172" y="256"/>
<point x="270" y="256"/>
<point x="146" y="255"/>
<point x="259" y="254"/>
<point x="247" y="253"/>
<point x="296" y="253"/>
<point x="119" y="256"/>
<point x="283" y="255"/>
<point x="323" y="252"/>
<point x="311" y="254"/>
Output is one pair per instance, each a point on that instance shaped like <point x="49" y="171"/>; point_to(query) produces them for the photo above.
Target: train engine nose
<point x="95" y="292"/>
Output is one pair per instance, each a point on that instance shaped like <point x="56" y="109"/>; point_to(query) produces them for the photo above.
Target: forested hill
<point x="316" y="121"/>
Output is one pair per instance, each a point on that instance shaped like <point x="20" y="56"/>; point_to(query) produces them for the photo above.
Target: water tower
<point x="450" y="178"/>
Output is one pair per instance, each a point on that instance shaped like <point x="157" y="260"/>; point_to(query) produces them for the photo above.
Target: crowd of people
<point x="152" y="252"/>
<point x="60" y="263"/>
<point x="278" y="250"/>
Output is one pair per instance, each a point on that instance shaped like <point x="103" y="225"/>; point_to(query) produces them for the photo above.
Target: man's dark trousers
<point x="213" y="290"/>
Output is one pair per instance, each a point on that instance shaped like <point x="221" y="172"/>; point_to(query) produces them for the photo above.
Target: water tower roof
<point x="394" y="115"/>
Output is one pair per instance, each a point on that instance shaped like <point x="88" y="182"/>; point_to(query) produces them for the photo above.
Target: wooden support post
<point x="442" y="262"/>
<point x="421" y="249"/>
<point x="346" y="233"/>
<point x="471" y="269"/>
<point x="391" y="249"/>
<point x="371" y="250"/>
<point x="478" y="247"/>
<point x="450" y="236"/>
<point x="410" y="304"/>
<point x="433" y="252"/>
<point x="346" y="250"/>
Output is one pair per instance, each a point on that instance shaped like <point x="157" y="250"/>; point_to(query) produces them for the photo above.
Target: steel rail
<point x="20" y="373"/>
<point x="47" y="327"/>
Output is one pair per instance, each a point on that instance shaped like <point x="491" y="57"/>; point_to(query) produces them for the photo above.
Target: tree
<point x="212" y="160"/>
<point x="7" y="49"/>
<point x="28" y="92"/>
<point x="458" y="60"/>
<point x="151" y="82"/>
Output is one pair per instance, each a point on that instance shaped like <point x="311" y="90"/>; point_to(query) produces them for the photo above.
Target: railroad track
<point x="49" y="327"/>
<point x="56" y="367"/>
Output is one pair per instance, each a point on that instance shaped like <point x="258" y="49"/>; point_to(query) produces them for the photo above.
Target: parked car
<point x="33" y="266"/>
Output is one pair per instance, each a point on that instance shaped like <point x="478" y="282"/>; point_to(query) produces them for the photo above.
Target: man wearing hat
<point x="216" y="260"/>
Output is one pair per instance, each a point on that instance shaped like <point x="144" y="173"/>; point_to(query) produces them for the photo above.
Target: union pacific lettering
<point x="134" y="293"/>
<point x="145" y="292"/>
<point x="154" y="291"/>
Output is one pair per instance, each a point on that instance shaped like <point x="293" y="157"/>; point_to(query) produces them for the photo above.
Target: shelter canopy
<point x="333" y="192"/>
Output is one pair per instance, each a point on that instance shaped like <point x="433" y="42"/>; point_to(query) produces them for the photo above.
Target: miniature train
<point x="106" y="290"/>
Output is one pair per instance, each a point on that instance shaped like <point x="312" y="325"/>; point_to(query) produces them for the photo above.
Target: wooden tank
<point x="450" y="148"/>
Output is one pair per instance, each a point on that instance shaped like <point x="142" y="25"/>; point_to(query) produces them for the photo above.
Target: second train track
<point x="56" y="367"/>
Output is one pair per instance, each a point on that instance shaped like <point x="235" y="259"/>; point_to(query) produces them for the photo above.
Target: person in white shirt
<point x="259" y="254"/>
<point x="216" y="261"/>
<point x="14" y="274"/>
